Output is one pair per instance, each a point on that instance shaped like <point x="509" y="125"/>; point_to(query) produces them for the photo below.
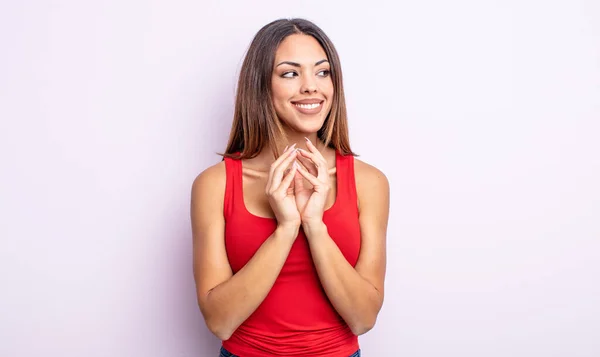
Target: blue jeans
<point x="225" y="353"/>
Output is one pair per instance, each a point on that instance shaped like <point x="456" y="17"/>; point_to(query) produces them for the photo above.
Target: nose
<point x="309" y="85"/>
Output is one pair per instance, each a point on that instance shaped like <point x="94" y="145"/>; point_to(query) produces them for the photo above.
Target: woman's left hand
<point x="311" y="201"/>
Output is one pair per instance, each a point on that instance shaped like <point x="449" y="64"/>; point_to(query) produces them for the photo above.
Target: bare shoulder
<point x="372" y="186"/>
<point x="211" y="266"/>
<point x="373" y="206"/>
<point x="211" y="179"/>
<point x="208" y="190"/>
<point x="369" y="178"/>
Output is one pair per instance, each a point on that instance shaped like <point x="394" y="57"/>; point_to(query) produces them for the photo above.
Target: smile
<point x="309" y="108"/>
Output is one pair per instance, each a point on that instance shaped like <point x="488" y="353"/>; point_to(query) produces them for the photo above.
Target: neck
<point x="300" y="140"/>
<point x="265" y="158"/>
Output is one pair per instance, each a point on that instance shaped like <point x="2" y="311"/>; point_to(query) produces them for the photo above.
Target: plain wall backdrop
<point x="484" y="115"/>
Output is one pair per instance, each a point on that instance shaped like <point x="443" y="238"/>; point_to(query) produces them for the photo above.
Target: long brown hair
<point x="255" y="123"/>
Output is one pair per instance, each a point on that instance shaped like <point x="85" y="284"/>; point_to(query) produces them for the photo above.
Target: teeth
<point x="308" y="106"/>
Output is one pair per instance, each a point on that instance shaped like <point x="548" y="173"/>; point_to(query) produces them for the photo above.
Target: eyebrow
<point x="298" y="64"/>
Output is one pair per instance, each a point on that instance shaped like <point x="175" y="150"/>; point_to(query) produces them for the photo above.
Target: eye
<point x="324" y="73"/>
<point x="289" y="74"/>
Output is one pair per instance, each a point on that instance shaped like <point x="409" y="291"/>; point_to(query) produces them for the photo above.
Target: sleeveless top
<point x="296" y="318"/>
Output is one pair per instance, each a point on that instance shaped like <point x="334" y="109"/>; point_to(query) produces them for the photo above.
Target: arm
<point x="356" y="293"/>
<point x="227" y="300"/>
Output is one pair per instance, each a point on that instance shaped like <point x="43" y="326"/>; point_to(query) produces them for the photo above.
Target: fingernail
<point x="284" y="150"/>
<point x="291" y="147"/>
<point x="307" y="139"/>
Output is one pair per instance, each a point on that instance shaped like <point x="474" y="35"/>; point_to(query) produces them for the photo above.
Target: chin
<point x="304" y="126"/>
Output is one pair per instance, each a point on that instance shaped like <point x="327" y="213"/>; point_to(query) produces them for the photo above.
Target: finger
<point x="286" y="152"/>
<point x="293" y="184"/>
<point x="274" y="165"/>
<point x="278" y="171"/>
<point x="307" y="164"/>
<point x="312" y="148"/>
<point x="288" y="179"/>
<point x="319" y="163"/>
<point x="269" y="178"/>
<point x="313" y="180"/>
<point x="298" y="182"/>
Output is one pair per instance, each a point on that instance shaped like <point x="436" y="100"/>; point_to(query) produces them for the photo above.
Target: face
<point x="301" y="84"/>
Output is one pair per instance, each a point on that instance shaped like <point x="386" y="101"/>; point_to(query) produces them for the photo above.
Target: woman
<point x="289" y="229"/>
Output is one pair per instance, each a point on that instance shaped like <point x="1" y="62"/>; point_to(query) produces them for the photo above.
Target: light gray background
<point x="485" y="116"/>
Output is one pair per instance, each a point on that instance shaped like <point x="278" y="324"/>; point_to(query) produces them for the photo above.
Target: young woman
<point x="289" y="229"/>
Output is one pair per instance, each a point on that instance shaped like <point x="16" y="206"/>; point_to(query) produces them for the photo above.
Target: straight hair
<point x="255" y="123"/>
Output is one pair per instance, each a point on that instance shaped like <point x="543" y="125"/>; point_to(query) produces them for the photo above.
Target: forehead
<point x="301" y="49"/>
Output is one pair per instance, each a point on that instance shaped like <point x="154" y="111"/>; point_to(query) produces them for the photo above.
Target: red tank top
<point x="296" y="318"/>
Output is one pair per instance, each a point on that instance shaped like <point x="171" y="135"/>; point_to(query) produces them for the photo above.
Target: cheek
<point x="281" y="91"/>
<point x="280" y="97"/>
<point x="280" y="103"/>
<point x="328" y="91"/>
<point x="327" y="88"/>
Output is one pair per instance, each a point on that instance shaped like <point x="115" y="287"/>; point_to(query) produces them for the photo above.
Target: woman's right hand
<point x="280" y="191"/>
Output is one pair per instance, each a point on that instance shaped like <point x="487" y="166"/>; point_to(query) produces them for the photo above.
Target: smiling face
<point x="301" y="85"/>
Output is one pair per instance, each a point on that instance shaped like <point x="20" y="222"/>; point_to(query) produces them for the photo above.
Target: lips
<point x="308" y="106"/>
<point x="308" y="101"/>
